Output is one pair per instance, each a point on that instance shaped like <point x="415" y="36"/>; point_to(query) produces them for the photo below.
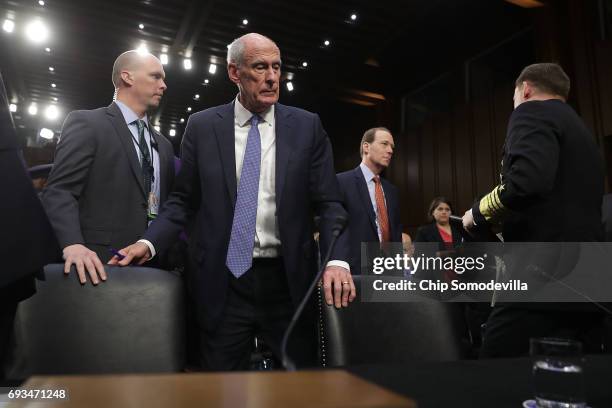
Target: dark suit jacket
<point x="94" y="194"/>
<point x="26" y="238"/>
<point x="362" y="217"/>
<point x="430" y="233"/>
<point x="552" y="176"/>
<point x="206" y="184"/>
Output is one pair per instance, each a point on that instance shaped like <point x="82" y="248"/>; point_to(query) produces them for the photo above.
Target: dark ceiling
<point x="390" y="48"/>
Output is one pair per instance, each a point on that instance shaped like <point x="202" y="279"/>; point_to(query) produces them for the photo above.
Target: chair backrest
<point x="132" y="323"/>
<point x="394" y="332"/>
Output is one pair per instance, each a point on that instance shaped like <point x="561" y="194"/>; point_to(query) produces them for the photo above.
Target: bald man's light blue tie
<point x="240" y="252"/>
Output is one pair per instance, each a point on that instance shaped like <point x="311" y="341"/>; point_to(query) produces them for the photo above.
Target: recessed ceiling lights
<point x="41" y="2"/>
<point x="51" y="112"/>
<point x="51" y="69"/>
<point x="46" y="133"/>
<point x="304" y="64"/>
<point x="53" y="85"/>
<point x="353" y="16"/>
<point x="212" y="68"/>
<point x="290" y="86"/>
<point x="187" y="63"/>
<point x="32" y="109"/>
<point x="141" y="26"/>
<point x="172" y="132"/>
<point x="326" y="43"/>
<point x="163" y="58"/>
<point x="156" y="127"/>
<point x="13" y="107"/>
<point x="142" y="49"/>
<point x="8" y="26"/>
<point x="245" y="22"/>
<point x="189" y="109"/>
<point x="37" y="31"/>
<point x="196" y="96"/>
<point x="206" y="81"/>
<point x="182" y="120"/>
<point x="48" y="49"/>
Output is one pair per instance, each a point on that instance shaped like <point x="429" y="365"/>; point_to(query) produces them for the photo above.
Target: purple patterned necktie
<point x="240" y="252"/>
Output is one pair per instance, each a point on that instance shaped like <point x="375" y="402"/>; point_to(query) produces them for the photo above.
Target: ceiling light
<point x="353" y="16"/>
<point x="304" y="64"/>
<point x="156" y="127"/>
<point x="189" y="109"/>
<point x="53" y="86"/>
<point x="290" y="86"/>
<point x="48" y="49"/>
<point x="212" y="68"/>
<point x="172" y="132"/>
<point x="33" y="109"/>
<point x="196" y="96"/>
<point x="51" y="69"/>
<point x="37" y="31"/>
<point x="51" y="112"/>
<point x="164" y="59"/>
<point x="206" y="81"/>
<point x="55" y="99"/>
<point x="46" y="133"/>
<point x="8" y="26"/>
<point x="245" y="22"/>
<point x="13" y="107"/>
<point x="142" y="49"/>
<point x="326" y="43"/>
<point x="41" y="2"/>
<point x="187" y="63"/>
<point x="141" y="26"/>
<point x="182" y="120"/>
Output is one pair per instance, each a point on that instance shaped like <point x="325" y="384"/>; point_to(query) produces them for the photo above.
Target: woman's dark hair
<point x="434" y="204"/>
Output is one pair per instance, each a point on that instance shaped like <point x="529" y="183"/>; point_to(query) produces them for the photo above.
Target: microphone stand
<point x="287" y="362"/>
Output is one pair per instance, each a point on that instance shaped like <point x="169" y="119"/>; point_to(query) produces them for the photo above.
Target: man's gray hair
<point x="235" y="51"/>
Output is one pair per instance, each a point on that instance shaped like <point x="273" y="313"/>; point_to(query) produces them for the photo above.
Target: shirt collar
<point x="367" y="173"/>
<point x="243" y="115"/>
<point x="129" y="115"/>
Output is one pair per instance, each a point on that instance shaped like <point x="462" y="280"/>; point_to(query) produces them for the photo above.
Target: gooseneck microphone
<point x="339" y="224"/>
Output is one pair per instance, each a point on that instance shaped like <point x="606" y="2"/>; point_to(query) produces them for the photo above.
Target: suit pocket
<point x="100" y="237"/>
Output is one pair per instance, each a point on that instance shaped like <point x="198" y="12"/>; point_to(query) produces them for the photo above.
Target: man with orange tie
<point x="371" y="201"/>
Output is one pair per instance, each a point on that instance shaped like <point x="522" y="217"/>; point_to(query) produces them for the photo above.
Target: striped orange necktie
<point x="381" y="213"/>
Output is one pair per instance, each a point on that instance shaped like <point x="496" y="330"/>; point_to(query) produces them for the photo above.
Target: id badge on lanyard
<point x="153" y="207"/>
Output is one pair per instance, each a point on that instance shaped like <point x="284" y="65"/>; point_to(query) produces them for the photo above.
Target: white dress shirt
<point x="129" y="116"/>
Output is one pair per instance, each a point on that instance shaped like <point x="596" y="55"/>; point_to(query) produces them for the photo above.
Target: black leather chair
<point x="132" y="323"/>
<point x="394" y="332"/>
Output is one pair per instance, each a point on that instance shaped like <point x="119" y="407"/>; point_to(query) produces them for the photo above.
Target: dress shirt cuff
<point x="150" y="245"/>
<point x="341" y="264"/>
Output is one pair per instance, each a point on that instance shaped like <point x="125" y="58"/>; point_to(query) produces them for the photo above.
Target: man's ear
<point x="527" y="90"/>
<point x="233" y="73"/>
<point x="365" y="147"/>
<point x="127" y="77"/>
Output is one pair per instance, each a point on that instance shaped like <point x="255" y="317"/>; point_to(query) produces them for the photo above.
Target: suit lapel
<point x="164" y="164"/>
<point x="283" y="148"/>
<point x="362" y="190"/>
<point x="124" y="134"/>
<point x="224" y="132"/>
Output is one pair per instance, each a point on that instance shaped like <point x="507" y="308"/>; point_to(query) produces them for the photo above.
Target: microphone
<point x="339" y="224"/>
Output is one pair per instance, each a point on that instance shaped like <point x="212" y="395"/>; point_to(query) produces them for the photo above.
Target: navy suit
<point x="362" y="218"/>
<point x="206" y="185"/>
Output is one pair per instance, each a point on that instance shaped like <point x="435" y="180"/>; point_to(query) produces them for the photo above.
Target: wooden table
<point x="319" y="389"/>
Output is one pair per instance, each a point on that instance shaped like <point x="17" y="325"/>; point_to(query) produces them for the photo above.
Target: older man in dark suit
<point x="255" y="171"/>
<point x="371" y="200"/>
<point x="111" y="170"/>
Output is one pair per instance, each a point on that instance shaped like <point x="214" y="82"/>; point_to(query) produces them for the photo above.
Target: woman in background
<point x="440" y="229"/>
